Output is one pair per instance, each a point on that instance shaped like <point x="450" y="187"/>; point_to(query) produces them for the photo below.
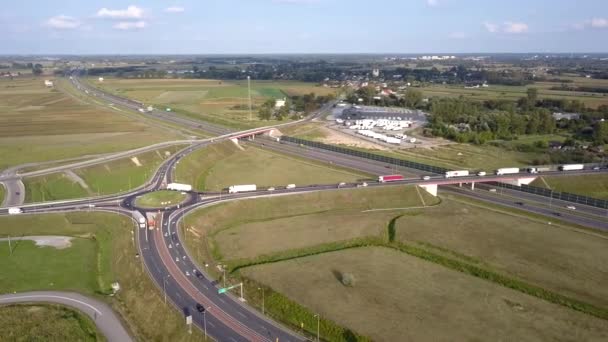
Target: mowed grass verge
<point x="102" y="179"/>
<point x="41" y="124"/>
<point x="2" y="193"/>
<point x="114" y="259"/>
<point x="158" y="199"/>
<point x="221" y="165"/>
<point x="36" y="322"/>
<point x="398" y="297"/>
<point x="595" y="186"/>
<point x="222" y="102"/>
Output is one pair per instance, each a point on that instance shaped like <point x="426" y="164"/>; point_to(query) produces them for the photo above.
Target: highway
<point x="104" y="317"/>
<point x="185" y="283"/>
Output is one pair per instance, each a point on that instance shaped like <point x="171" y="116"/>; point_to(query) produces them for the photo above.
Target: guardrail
<point x="564" y="196"/>
<point x="367" y="155"/>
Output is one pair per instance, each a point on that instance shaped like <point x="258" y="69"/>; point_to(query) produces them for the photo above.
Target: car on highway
<point x="571" y="207"/>
<point x="557" y="214"/>
<point x="200" y="308"/>
<point x="271" y="189"/>
<point x="426" y="178"/>
<point x="596" y="168"/>
<point x="519" y="203"/>
<point x="198" y="274"/>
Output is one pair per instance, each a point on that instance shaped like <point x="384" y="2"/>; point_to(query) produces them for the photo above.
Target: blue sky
<point x="302" y="26"/>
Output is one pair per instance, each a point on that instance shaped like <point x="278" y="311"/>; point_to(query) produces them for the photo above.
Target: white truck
<point x="142" y="222"/>
<point x="507" y="171"/>
<point x="13" y="211"/>
<point x="571" y="167"/>
<point x="233" y="189"/>
<point x="290" y="186"/>
<point x="538" y="169"/>
<point x="179" y="187"/>
<point x="460" y="173"/>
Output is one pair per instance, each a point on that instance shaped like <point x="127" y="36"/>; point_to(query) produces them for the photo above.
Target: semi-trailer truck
<point x="233" y="189"/>
<point x="290" y="186"/>
<point x="538" y="169"/>
<point x="390" y="178"/>
<point x="13" y="211"/>
<point x="571" y="167"/>
<point x="459" y="173"/>
<point x="507" y="171"/>
<point x="179" y="187"/>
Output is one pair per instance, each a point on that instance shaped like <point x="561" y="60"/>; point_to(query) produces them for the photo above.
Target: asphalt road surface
<point x="104" y="317"/>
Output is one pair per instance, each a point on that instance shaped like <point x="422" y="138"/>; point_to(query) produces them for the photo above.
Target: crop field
<point x="221" y="165"/>
<point x="223" y="102"/>
<point x="546" y="255"/>
<point x="595" y="186"/>
<point x="513" y="93"/>
<point x="41" y="124"/>
<point x="30" y="322"/>
<point x="2" y="193"/>
<point x="113" y="259"/>
<point x="102" y="179"/>
<point x="397" y="297"/>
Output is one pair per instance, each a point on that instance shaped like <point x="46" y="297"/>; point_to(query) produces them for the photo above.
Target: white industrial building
<point x="48" y="83"/>
<point x="280" y="103"/>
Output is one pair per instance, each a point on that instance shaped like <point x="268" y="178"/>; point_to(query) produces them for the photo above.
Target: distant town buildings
<point x="566" y="116"/>
<point x="376" y="72"/>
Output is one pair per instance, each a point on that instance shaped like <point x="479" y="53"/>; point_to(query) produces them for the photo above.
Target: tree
<point x="532" y="96"/>
<point x="600" y="133"/>
<point x="37" y="69"/>
<point x="265" y="113"/>
<point x="413" y="98"/>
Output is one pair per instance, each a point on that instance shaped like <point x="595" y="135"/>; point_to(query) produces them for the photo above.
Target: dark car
<point x="198" y="274"/>
<point x="17" y="193"/>
<point x="200" y="308"/>
<point x="519" y="203"/>
<point x="557" y="214"/>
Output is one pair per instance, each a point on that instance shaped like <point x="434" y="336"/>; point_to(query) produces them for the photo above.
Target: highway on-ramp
<point x="104" y="317"/>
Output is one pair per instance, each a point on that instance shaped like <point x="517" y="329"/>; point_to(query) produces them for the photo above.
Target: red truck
<point x="390" y="178"/>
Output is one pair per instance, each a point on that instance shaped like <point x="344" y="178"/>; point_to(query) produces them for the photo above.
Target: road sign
<point x="189" y="319"/>
<point x="225" y="289"/>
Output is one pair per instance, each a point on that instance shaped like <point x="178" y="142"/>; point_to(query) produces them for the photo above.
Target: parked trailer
<point x="390" y="178"/>
<point x="571" y="167"/>
<point x="179" y="187"/>
<point x="507" y="171"/>
<point x="13" y="211"/>
<point x="233" y="189"/>
<point x="460" y="173"/>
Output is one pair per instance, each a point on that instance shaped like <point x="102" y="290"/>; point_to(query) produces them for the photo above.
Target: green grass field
<point x="513" y="93"/>
<point x="223" y="102"/>
<point x="46" y="322"/>
<point x="114" y="259"/>
<point x="547" y="255"/>
<point x="2" y="193"/>
<point x="41" y="124"/>
<point x="158" y="199"/>
<point x="33" y="267"/>
<point x="455" y="259"/>
<point x="102" y="179"/>
<point x="595" y="186"/>
<point x="397" y="297"/>
<point x="221" y="165"/>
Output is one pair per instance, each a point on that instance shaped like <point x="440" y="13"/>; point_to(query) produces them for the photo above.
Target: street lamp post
<point x="205" y="321"/>
<point x="263" y="306"/>
<point x="318" y="321"/>
<point x="224" y="270"/>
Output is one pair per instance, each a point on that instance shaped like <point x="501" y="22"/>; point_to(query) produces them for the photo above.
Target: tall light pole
<point x="249" y="95"/>
<point x="224" y="270"/>
<point x="318" y="321"/>
<point x="165" y="287"/>
<point x="263" y="307"/>
<point x="205" y="321"/>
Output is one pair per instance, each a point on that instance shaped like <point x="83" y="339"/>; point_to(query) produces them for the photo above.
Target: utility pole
<point x="10" y="249"/>
<point x="249" y="95"/>
<point x="205" y="322"/>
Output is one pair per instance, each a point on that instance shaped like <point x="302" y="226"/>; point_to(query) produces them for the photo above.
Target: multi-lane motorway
<point x="186" y="284"/>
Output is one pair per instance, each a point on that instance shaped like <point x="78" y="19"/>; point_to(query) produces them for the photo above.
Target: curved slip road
<point x="104" y="317"/>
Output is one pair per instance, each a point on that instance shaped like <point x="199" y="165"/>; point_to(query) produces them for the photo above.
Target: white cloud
<point x="130" y="25"/>
<point x="432" y="3"/>
<point x="506" y="27"/>
<point x="63" y="22"/>
<point x="492" y="28"/>
<point x="599" y="23"/>
<point x="515" y="27"/>
<point x="457" y="35"/>
<point x="174" y="9"/>
<point x="131" y="12"/>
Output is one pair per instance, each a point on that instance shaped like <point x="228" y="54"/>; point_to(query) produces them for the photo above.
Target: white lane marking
<point x="221" y="300"/>
<point x="211" y="324"/>
<point x="51" y="296"/>
<point x="242" y="314"/>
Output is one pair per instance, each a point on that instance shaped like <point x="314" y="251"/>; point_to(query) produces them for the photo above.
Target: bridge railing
<point x="564" y="196"/>
<point x="367" y="155"/>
